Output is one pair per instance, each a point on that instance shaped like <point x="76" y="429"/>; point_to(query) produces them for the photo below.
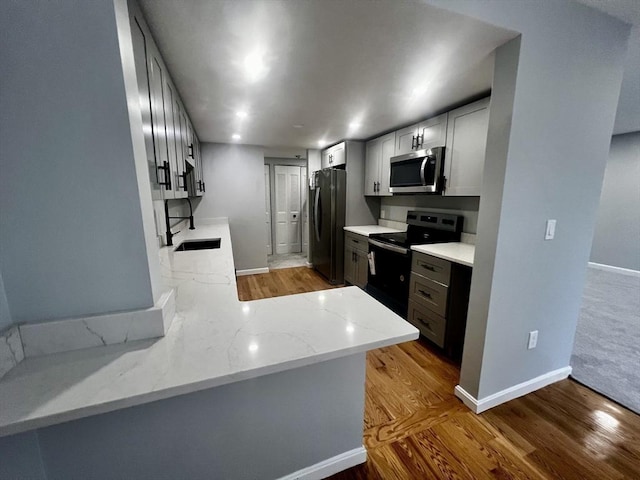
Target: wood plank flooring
<point x="414" y="427"/>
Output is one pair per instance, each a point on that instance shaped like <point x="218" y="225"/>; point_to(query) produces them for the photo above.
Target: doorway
<point x="286" y="215"/>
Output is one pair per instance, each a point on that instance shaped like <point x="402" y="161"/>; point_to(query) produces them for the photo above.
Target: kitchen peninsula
<point x="271" y="388"/>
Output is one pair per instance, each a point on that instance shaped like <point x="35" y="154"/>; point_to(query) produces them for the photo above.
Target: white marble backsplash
<point x="11" y="352"/>
<point x="99" y="330"/>
<point x="383" y="222"/>
<point x="469" y="238"/>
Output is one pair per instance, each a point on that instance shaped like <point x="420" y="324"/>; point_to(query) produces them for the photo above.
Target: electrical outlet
<point x="533" y="339"/>
<point x="550" y="231"/>
<point x="383" y="213"/>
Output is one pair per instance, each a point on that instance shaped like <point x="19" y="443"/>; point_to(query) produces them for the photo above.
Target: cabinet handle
<point x="420" y="140"/>
<point x="378" y="187"/>
<point x="428" y="267"/>
<point x="183" y="176"/>
<point x="167" y="175"/>
<point x="426" y="324"/>
<point x="190" y="148"/>
<point x="426" y="294"/>
<point x="414" y="142"/>
<point x="204" y="188"/>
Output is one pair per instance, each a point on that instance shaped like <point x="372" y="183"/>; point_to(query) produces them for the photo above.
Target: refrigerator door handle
<point x="315" y="214"/>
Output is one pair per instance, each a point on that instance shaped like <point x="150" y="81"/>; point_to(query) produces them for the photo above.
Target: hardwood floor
<point x="285" y="281"/>
<point x="415" y="428"/>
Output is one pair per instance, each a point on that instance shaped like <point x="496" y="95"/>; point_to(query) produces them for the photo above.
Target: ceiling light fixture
<point x="354" y="125"/>
<point x="236" y="136"/>
<point x="322" y="143"/>
<point x="254" y="65"/>
<point x="241" y="114"/>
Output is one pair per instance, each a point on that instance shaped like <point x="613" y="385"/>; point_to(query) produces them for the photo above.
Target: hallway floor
<point x="286" y="260"/>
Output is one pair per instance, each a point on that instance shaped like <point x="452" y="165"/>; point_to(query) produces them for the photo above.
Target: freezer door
<point x="321" y="221"/>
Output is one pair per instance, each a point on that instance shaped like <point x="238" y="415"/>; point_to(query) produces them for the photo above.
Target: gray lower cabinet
<point x="356" y="268"/>
<point x="439" y="300"/>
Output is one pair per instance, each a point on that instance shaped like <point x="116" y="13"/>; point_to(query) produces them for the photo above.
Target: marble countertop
<point x="215" y="339"/>
<point x="367" y="230"/>
<point x="462" y="253"/>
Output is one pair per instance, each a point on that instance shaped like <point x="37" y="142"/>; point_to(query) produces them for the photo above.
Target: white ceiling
<point x="379" y="64"/>
<point x="304" y="72"/>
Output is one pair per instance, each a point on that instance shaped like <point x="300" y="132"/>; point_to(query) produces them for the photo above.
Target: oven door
<point x="390" y="283"/>
<point x="417" y="172"/>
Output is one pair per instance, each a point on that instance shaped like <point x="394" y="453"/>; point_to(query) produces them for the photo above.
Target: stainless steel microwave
<point x="418" y="172"/>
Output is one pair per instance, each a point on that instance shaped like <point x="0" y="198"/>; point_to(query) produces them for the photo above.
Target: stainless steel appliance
<point x="418" y="172"/>
<point x="327" y="202"/>
<point x="391" y="255"/>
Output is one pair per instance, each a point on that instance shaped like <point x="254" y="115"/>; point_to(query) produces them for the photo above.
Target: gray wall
<point x="616" y="240"/>
<point x="5" y="313"/>
<point x="71" y="227"/>
<point x="396" y="207"/>
<point x="234" y="175"/>
<point x="260" y="428"/>
<point x="553" y="106"/>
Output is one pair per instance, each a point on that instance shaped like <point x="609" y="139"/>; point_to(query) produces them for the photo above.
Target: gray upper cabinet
<point x="377" y="164"/>
<point x="167" y="128"/>
<point x="334" y="156"/>
<point x="426" y="134"/>
<point x="465" y="148"/>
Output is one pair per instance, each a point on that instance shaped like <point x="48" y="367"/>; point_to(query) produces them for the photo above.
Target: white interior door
<point x="304" y="189"/>
<point x="267" y="206"/>
<point x="287" y="209"/>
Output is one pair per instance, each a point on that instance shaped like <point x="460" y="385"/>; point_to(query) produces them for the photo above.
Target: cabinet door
<point x="349" y="265"/>
<point x="387" y="150"/>
<point x="139" y="39"/>
<point x="361" y="269"/>
<point x="156" y="90"/>
<point x="433" y="132"/>
<point x="338" y="156"/>
<point x="465" y="149"/>
<point x="325" y="159"/>
<point x="172" y="142"/>
<point x="406" y="139"/>
<point x="373" y="156"/>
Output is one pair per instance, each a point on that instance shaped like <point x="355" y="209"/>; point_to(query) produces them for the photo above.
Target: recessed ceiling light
<point x="241" y="114"/>
<point x="254" y="65"/>
<point x="298" y="125"/>
<point x="236" y="136"/>
<point x="322" y="143"/>
<point x="354" y="125"/>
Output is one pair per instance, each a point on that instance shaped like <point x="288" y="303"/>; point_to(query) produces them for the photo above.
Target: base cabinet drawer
<point x="356" y="242"/>
<point x="430" y="294"/>
<point x="432" y="326"/>
<point x="435" y="268"/>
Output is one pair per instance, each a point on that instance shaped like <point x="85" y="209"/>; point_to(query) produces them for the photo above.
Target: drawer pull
<point x="426" y="324"/>
<point x="428" y="267"/>
<point x="426" y="294"/>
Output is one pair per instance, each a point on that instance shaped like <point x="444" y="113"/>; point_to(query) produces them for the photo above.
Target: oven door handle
<point x="391" y="248"/>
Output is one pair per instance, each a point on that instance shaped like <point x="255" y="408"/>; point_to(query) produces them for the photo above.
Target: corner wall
<point x="71" y="227"/>
<point x="616" y="240"/>
<point x="234" y="175"/>
<point x="553" y="106"/>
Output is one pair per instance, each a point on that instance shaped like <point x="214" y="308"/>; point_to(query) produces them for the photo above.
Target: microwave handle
<point x="422" y="169"/>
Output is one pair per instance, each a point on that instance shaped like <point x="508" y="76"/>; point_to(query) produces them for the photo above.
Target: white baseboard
<point x="98" y="330"/>
<point x="252" y="271"/>
<point x="611" y="268"/>
<point x="330" y="466"/>
<point x="309" y="265"/>
<point x="484" y="404"/>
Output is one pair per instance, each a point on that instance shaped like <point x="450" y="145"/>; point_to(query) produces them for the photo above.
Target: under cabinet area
<point x="356" y="268"/>
<point x="439" y="300"/>
<point x="377" y="165"/>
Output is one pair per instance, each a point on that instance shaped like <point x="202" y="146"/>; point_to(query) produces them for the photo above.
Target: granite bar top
<point x="215" y="339"/>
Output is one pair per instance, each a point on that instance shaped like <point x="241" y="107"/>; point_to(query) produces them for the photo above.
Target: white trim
<point x="330" y="466"/>
<point x="98" y="330"/>
<point x="309" y="265"/>
<point x="252" y="271"/>
<point x="611" y="268"/>
<point x="503" y="396"/>
<point x="210" y="221"/>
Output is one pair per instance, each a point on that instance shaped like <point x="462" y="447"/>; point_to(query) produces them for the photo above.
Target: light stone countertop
<point x="215" y="339"/>
<point x="367" y="230"/>
<point x="462" y="253"/>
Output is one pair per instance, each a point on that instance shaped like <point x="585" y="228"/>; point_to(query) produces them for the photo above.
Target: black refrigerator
<point x="327" y="206"/>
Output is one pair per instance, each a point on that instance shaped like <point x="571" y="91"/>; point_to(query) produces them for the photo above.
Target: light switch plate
<point x="550" y="231"/>
<point x="533" y="339"/>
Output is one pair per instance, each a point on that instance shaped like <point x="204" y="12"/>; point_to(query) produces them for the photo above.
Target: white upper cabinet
<point x="465" y="148"/>
<point x="334" y="156"/>
<point x="377" y="164"/>
<point x="426" y="134"/>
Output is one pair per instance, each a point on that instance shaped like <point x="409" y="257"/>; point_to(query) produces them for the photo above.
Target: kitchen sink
<point x="198" y="245"/>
